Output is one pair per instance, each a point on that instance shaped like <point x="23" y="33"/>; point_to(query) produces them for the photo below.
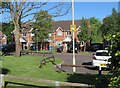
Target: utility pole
<point x="74" y="62"/>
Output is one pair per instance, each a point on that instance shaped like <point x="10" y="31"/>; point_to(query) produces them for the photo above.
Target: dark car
<point x="96" y="46"/>
<point x="70" y="48"/>
<point x="60" y="49"/>
<point x="8" y="48"/>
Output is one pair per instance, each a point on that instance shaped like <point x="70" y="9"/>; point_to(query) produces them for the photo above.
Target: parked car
<point x="96" y="46"/>
<point x="101" y="58"/>
<point x="8" y="48"/>
<point x="70" y="48"/>
<point x="60" y="49"/>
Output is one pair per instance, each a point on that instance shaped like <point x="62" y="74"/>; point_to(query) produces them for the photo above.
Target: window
<point x="102" y="54"/>
<point x="24" y="34"/>
<point x="82" y="43"/>
<point x="59" y="33"/>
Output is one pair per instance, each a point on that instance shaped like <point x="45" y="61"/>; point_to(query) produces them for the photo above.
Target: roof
<point x="23" y="40"/>
<point x="27" y="27"/>
<point x="68" y="39"/>
<point x="65" y="25"/>
<point x="102" y="51"/>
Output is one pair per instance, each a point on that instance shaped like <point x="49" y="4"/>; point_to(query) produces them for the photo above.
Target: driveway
<point x="80" y="59"/>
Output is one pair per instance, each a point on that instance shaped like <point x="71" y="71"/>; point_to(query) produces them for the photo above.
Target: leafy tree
<point x="84" y="35"/>
<point x="7" y="29"/>
<point x="96" y="35"/>
<point x="111" y="32"/>
<point x="43" y="24"/>
<point x="114" y="82"/>
<point x="115" y="61"/>
<point x="20" y="10"/>
<point x="110" y="24"/>
<point x="115" y="48"/>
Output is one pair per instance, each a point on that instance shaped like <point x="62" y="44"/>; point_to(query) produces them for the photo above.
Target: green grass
<point x="28" y="66"/>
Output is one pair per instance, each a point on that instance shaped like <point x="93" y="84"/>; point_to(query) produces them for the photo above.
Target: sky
<point x="86" y="9"/>
<point x="90" y="9"/>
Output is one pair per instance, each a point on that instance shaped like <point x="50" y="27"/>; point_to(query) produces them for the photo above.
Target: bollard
<point x="99" y="71"/>
<point x="1" y="80"/>
<point x="57" y="84"/>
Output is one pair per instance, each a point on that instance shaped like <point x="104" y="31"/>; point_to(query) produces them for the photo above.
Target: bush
<point x="115" y="48"/>
<point x="114" y="82"/>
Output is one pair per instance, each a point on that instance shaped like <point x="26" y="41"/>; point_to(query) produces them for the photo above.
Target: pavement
<point x="83" y="61"/>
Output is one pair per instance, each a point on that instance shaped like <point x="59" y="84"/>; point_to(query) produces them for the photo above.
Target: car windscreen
<point x="102" y="54"/>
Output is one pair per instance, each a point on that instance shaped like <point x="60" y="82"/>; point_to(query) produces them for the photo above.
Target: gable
<point x="59" y="29"/>
<point x="65" y="25"/>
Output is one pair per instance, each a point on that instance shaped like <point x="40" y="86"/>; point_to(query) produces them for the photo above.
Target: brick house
<point x="26" y="38"/>
<point x="61" y="32"/>
<point x="3" y="38"/>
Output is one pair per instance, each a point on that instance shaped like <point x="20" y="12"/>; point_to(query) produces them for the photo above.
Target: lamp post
<point x="12" y="36"/>
<point x="37" y="39"/>
<point x="74" y="62"/>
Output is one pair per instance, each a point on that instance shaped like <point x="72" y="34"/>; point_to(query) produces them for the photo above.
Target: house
<point x="3" y="38"/>
<point x="26" y="39"/>
<point x="60" y="35"/>
<point x="61" y="32"/>
<point x="26" y="36"/>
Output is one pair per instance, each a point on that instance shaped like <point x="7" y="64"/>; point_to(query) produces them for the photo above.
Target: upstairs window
<point x="59" y="33"/>
<point x="24" y="34"/>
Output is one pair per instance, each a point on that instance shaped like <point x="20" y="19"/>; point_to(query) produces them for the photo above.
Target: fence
<point x="22" y="80"/>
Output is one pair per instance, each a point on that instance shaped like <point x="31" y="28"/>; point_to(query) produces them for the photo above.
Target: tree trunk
<point x="17" y="42"/>
<point x="84" y="46"/>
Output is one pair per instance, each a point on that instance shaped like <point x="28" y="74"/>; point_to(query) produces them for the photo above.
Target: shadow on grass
<point x="21" y="85"/>
<point x="5" y="71"/>
<point x="99" y="81"/>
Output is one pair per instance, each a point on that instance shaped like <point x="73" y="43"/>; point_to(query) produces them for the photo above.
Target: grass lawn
<point x="28" y="66"/>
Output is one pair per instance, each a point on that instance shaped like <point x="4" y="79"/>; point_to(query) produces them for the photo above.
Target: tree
<point x="7" y="29"/>
<point x="115" y="61"/>
<point x="96" y="35"/>
<point x="115" y="48"/>
<point x="43" y="24"/>
<point x="84" y="35"/>
<point x="110" y="24"/>
<point x="20" y="10"/>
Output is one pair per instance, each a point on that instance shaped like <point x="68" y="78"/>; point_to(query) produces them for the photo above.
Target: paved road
<point x="80" y="58"/>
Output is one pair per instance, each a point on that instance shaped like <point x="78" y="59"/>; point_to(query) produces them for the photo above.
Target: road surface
<point x="80" y="59"/>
